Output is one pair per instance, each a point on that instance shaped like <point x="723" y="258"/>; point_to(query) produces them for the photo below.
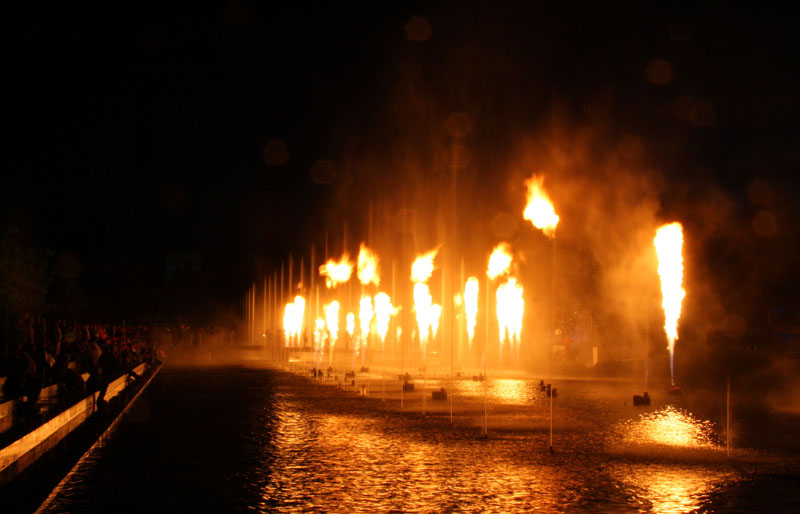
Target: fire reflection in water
<point x="670" y="427"/>
<point x="657" y="488"/>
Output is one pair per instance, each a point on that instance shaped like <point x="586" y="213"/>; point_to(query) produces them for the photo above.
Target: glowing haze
<point x="669" y="248"/>
<point x="336" y="272"/>
<point x="538" y="209"/>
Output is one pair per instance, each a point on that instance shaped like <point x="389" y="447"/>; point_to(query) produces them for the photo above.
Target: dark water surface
<point x="230" y="439"/>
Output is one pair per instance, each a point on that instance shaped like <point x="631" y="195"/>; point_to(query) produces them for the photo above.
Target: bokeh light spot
<point x="323" y="172"/>
<point x="764" y="224"/>
<point x="659" y="72"/>
<point x="418" y="29"/>
<point x="458" y="125"/>
<point x="275" y="153"/>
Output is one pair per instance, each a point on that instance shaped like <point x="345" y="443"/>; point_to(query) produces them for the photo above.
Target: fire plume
<point x="332" y="321"/>
<point x="367" y="266"/>
<point x="365" y="315"/>
<point x="669" y="247"/>
<point x="422" y="268"/>
<point x="427" y="312"/>
<point x="383" y="312"/>
<point x="538" y="209"/>
<point x="510" y="308"/>
<point x="471" y="306"/>
<point x="499" y="261"/>
<point x="336" y="272"/>
<point x="351" y="323"/>
<point x="293" y="318"/>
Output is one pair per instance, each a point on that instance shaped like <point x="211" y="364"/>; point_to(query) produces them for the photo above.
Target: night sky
<point x="138" y="137"/>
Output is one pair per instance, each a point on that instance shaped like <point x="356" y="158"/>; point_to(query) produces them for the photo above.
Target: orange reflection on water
<point x="510" y="390"/>
<point x="659" y="488"/>
<point x="671" y="427"/>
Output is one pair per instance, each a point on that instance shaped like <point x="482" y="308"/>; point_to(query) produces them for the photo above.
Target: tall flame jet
<point x="332" y="322"/>
<point x="510" y="304"/>
<point x="669" y="247"/>
<point x="510" y="309"/>
<point x="471" y="306"/>
<point x="336" y="272"/>
<point x="365" y="314"/>
<point x="383" y="312"/>
<point x="538" y="209"/>
<point x="293" y="318"/>
<point x="427" y="312"/>
<point x="367" y="266"/>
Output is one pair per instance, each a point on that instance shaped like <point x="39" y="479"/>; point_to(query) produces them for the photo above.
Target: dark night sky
<point x="132" y="145"/>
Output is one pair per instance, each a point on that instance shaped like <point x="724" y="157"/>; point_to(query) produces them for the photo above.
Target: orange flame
<point x="427" y="312"/>
<point x="336" y="272"/>
<point x="669" y="246"/>
<point x="539" y="210"/>
<point x="351" y="323"/>
<point x="293" y="318"/>
<point x="422" y="268"/>
<point x="332" y="321"/>
<point x="319" y="336"/>
<point x="471" y="306"/>
<point x="383" y="312"/>
<point x="365" y="315"/>
<point x="510" y="309"/>
<point x="368" y="266"/>
<point x="499" y="261"/>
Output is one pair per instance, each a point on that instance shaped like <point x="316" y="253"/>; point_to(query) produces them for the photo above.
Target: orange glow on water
<point x="670" y="427"/>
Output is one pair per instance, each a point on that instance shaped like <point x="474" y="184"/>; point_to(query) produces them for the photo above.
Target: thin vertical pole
<point x="452" y="334"/>
<point x="552" y="335"/>
<point x="485" y="378"/>
<point x="283" y="305"/>
<point x="728" y="419"/>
